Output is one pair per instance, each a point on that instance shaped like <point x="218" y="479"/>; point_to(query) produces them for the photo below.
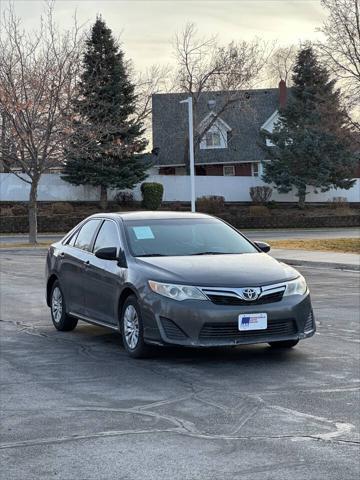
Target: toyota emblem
<point x="250" y="293"/>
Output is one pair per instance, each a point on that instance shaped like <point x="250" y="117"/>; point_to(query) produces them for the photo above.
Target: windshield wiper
<point x="210" y="253"/>
<point x="152" y="255"/>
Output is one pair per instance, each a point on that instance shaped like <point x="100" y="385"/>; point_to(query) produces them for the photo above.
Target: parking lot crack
<point x="118" y="433"/>
<point x="77" y="437"/>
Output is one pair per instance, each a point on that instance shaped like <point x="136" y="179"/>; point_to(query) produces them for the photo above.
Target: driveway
<point x="74" y="406"/>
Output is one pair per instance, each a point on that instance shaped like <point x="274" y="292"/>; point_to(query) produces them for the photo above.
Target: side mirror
<point x="264" y="247"/>
<point x="122" y="259"/>
<point x="108" y="253"/>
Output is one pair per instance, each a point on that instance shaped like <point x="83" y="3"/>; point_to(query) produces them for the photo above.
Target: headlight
<point x="177" y="292"/>
<point x="296" y="287"/>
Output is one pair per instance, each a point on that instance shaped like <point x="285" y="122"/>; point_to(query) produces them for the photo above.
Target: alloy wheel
<point x="131" y="326"/>
<point x="57" y="304"/>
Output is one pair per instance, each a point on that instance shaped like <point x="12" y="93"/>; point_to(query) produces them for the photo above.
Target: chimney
<point x="282" y="94"/>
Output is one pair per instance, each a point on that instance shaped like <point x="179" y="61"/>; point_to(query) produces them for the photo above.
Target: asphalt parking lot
<point x="74" y="406"/>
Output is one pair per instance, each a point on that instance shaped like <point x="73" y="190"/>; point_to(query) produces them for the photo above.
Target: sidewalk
<point x="347" y="261"/>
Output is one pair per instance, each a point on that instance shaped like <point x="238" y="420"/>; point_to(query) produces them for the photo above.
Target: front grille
<point x="172" y="331"/>
<point x="227" y="300"/>
<point x="230" y="330"/>
<point x="309" y="324"/>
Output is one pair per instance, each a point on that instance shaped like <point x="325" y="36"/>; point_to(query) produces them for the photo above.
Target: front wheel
<point x="60" y="319"/>
<point x="284" y="344"/>
<point x="132" y="329"/>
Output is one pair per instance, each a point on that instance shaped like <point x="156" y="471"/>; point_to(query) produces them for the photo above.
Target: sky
<point x="147" y="27"/>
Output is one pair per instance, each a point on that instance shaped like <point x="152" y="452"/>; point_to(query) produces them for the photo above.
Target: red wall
<point x="167" y="171"/>
<point x="241" y="170"/>
<point x="214" y="170"/>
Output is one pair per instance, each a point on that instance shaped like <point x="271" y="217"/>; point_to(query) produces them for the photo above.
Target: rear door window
<point x="86" y="234"/>
<point x="71" y="240"/>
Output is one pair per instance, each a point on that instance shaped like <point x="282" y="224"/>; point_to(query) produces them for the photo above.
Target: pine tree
<point x="312" y="142"/>
<point x="104" y="147"/>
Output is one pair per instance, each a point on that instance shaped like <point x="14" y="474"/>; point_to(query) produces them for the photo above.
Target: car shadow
<point x="258" y="353"/>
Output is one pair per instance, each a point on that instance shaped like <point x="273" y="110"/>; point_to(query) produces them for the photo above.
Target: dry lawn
<point x="348" y="245"/>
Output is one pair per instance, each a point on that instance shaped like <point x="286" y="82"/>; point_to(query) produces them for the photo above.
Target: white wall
<point x="237" y="189"/>
<point x="51" y="188"/>
<point x="176" y="188"/>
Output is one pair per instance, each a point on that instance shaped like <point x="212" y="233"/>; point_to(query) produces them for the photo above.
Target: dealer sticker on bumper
<point x="252" y="321"/>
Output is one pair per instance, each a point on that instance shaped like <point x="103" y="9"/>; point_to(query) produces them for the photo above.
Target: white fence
<point x="176" y="188"/>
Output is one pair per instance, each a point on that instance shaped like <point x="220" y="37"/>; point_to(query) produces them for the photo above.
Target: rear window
<point x="71" y="240"/>
<point x="86" y="234"/>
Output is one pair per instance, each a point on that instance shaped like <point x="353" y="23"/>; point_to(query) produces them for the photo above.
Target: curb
<point x="331" y="265"/>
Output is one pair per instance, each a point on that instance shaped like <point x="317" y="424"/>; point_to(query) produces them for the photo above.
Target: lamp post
<point x="189" y="101"/>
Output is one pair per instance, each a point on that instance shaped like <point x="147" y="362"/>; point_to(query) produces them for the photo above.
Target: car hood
<point x="247" y="269"/>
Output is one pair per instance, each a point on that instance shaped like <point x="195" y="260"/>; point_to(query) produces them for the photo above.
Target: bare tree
<point x="38" y="75"/>
<point x="341" y="49"/>
<point x="153" y="80"/>
<point x="205" y="65"/>
<point x="280" y="64"/>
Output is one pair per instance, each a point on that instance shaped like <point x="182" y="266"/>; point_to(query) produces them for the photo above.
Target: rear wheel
<point x="60" y="319"/>
<point x="284" y="344"/>
<point x="132" y="329"/>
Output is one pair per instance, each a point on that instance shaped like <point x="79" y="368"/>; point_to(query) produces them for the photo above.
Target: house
<point x="230" y="145"/>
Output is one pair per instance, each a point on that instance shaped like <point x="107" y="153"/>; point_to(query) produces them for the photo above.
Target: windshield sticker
<point x="143" y="233"/>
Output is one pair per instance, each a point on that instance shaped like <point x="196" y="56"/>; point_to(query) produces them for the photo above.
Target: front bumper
<point x="197" y="323"/>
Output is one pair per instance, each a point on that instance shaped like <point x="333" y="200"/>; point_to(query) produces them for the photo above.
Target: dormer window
<point x="269" y="125"/>
<point x="216" y="132"/>
<point x="213" y="139"/>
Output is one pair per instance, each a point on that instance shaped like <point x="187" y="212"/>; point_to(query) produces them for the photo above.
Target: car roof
<point x="152" y="215"/>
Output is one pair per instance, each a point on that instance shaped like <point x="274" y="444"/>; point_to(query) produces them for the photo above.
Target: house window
<point x="255" y="169"/>
<point x="228" y="170"/>
<point x="213" y="139"/>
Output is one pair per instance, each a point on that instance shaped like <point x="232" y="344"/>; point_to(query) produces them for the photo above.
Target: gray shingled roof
<point x="245" y="117"/>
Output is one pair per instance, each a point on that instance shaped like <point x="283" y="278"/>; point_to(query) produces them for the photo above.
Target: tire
<point x="284" y="344"/>
<point x="59" y="317"/>
<point x="132" y="329"/>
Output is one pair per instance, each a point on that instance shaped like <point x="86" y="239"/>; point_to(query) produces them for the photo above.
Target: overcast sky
<point x="148" y="26"/>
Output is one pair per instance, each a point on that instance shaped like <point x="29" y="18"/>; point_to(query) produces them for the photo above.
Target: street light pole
<point x="189" y="101"/>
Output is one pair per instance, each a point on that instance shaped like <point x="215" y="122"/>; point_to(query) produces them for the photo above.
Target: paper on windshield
<point x="143" y="233"/>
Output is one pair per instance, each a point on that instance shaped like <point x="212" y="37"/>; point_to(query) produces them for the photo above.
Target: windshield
<point x="176" y="237"/>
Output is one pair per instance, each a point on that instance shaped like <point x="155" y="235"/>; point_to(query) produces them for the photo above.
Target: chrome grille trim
<point x="237" y="292"/>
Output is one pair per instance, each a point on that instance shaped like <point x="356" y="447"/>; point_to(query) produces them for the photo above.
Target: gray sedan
<point x="175" y="278"/>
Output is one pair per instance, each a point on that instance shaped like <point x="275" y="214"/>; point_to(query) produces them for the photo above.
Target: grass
<point x="347" y="245"/>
